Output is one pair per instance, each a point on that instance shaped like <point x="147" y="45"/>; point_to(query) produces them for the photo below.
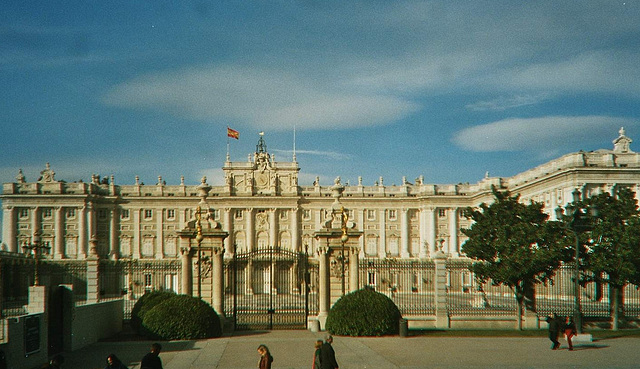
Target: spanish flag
<point x="233" y="133"/>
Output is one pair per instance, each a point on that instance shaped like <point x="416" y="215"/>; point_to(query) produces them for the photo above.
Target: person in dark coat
<point x="327" y="355"/>
<point x="265" y="357"/>
<point x="554" y="330"/>
<point x="152" y="359"/>
<point x="114" y="363"/>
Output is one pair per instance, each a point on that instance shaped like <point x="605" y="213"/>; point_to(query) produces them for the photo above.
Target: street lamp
<point x="344" y="218"/>
<point x="576" y="225"/>
<point x="35" y="246"/>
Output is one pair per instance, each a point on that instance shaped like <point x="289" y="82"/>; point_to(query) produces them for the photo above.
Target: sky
<point x="448" y="90"/>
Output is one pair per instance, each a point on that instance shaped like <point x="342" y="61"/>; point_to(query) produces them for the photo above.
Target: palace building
<point x="261" y="204"/>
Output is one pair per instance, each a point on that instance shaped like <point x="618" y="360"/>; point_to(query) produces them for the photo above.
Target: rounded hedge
<point x="182" y="317"/>
<point x="364" y="312"/>
<point x="144" y="304"/>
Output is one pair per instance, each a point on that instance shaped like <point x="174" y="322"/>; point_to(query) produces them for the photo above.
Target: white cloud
<point x="505" y="103"/>
<point x="259" y="97"/>
<point x="543" y="135"/>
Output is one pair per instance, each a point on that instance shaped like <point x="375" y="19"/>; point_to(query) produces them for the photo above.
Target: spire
<point x="261" y="147"/>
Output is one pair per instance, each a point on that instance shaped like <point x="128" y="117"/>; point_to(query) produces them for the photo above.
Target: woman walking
<point x="265" y="357"/>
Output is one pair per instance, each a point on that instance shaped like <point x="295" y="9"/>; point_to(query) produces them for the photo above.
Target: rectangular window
<point x="393" y="215"/>
<point x="124" y="214"/>
<point x="46" y="213"/>
<point x="215" y="213"/>
<point x="148" y="281"/>
<point x="24" y="213"/>
<point x="306" y="214"/>
<point x="284" y="214"/>
<point x="102" y="213"/>
<point x="238" y="214"/>
<point x="71" y="213"/>
<point x="371" y="214"/>
<point x="371" y="278"/>
<point x="148" y="214"/>
<point x="171" y="214"/>
<point x="442" y="213"/>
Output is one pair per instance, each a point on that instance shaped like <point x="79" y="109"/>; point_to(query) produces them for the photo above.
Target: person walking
<point x="570" y="331"/>
<point x="152" y="359"/>
<point x="554" y="330"/>
<point x="327" y="355"/>
<point x="265" y="357"/>
<point x="316" y="355"/>
<point x="114" y="363"/>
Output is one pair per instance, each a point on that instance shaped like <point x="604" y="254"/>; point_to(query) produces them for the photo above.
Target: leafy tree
<point x="613" y="255"/>
<point x="513" y="245"/>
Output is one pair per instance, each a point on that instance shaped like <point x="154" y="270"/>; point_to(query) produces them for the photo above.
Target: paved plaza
<point x="294" y="349"/>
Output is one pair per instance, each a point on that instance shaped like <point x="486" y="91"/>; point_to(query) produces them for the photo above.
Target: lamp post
<point x="576" y="225"/>
<point x="35" y="246"/>
<point x="344" y="218"/>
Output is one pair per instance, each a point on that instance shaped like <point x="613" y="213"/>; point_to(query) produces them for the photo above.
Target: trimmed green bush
<point x="182" y="317"/>
<point x="144" y="304"/>
<point x="364" y="312"/>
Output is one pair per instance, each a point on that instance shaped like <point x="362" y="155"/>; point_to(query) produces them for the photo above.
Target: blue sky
<point x="448" y="90"/>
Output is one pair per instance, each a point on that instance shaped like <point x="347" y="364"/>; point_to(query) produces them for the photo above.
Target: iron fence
<point x="67" y="272"/>
<point x="409" y="283"/>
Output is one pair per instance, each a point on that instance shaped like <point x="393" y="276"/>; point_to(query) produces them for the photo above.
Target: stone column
<point x="135" y="247"/>
<point x="404" y="233"/>
<point x="354" y="269"/>
<point x="382" y="247"/>
<point x="360" y="225"/>
<point x="93" y="289"/>
<point x="431" y="230"/>
<point x="58" y="249"/>
<point x="295" y="230"/>
<point x="91" y="221"/>
<point x="113" y="234"/>
<point x="453" y="231"/>
<point x="159" y="251"/>
<point x="228" y="226"/>
<point x="323" y="285"/>
<point x="83" y="240"/>
<point x="273" y="227"/>
<point x="9" y="234"/>
<point x="186" y="261"/>
<point x="442" y="319"/>
<point x="251" y="236"/>
<point x="36" y="221"/>
<point x="218" y="281"/>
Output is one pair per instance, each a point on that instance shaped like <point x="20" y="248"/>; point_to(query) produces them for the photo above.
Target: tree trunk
<point x="520" y="303"/>
<point x="616" y="303"/>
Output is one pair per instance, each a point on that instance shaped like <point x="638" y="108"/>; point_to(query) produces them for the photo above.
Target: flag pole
<point x="228" y="157"/>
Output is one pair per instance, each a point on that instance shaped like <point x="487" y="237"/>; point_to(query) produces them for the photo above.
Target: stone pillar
<point x="295" y="230"/>
<point x="91" y="221"/>
<point x="187" y="270"/>
<point x="251" y="236"/>
<point x="10" y="226"/>
<point x="83" y="240"/>
<point x="404" y="233"/>
<point x="113" y="234"/>
<point x="442" y="319"/>
<point x="431" y="230"/>
<point x="58" y="243"/>
<point x="453" y="231"/>
<point x="354" y="269"/>
<point x="273" y="227"/>
<point x="135" y="247"/>
<point x="36" y="222"/>
<point x="93" y="289"/>
<point x="218" y="281"/>
<point x="159" y="251"/>
<point x="323" y="285"/>
<point x="382" y="247"/>
<point x="228" y="226"/>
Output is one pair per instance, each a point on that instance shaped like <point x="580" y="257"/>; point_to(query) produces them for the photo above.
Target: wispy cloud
<point x="259" y="97"/>
<point x="545" y="134"/>
<point x="505" y="103"/>
<point x="328" y="154"/>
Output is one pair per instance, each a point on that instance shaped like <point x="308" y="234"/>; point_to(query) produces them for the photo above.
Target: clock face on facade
<point x="262" y="179"/>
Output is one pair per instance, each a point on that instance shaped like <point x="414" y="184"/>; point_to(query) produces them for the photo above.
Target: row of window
<point x="47" y="213"/>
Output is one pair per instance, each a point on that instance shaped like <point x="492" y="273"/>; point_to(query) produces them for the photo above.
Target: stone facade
<point x="261" y="204"/>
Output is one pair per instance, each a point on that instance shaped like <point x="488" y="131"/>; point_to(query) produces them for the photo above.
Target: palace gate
<point x="271" y="288"/>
